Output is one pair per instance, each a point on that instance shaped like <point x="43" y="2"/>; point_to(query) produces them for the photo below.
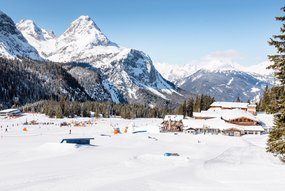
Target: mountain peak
<point x="27" y="21"/>
<point x="83" y="24"/>
<point x="12" y="42"/>
<point x="84" y="18"/>
<point x="85" y="28"/>
<point x="29" y="27"/>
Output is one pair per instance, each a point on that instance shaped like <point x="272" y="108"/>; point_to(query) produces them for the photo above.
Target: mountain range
<point x="226" y="81"/>
<point x="102" y="70"/>
<point x="106" y="71"/>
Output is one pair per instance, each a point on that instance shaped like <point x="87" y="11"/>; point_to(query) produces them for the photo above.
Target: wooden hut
<point x="232" y="132"/>
<point x="172" y="123"/>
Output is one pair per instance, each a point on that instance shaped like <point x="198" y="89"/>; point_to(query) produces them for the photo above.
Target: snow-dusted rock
<point x="12" y="42"/>
<point x="43" y="40"/>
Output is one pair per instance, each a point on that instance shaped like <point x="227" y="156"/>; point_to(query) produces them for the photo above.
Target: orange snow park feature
<point x="116" y="131"/>
<point x="25" y="129"/>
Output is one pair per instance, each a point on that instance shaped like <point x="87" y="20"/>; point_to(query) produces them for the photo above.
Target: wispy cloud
<point x="225" y="56"/>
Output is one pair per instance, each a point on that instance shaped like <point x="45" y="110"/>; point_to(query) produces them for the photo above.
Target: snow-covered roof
<point x="206" y="114"/>
<point x="229" y="104"/>
<point x="193" y="123"/>
<point x="225" y="114"/>
<point x="9" y="110"/>
<point x="237" y="113"/>
<point x="217" y="123"/>
<point x="253" y="128"/>
<point x="173" y="117"/>
<point x="266" y="119"/>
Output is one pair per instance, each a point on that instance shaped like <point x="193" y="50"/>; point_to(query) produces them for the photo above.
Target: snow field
<point x="35" y="160"/>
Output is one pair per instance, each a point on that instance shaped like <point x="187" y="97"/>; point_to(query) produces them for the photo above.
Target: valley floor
<point x="35" y="159"/>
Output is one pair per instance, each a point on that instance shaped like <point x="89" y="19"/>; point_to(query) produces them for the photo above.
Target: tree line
<point x="62" y="107"/>
<point x="65" y="108"/>
<point x="197" y="104"/>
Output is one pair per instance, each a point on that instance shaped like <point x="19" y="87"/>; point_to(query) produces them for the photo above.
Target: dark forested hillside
<point x="28" y="81"/>
<point x="90" y="78"/>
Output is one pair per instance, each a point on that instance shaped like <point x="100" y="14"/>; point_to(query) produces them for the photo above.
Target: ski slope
<point x="35" y="160"/>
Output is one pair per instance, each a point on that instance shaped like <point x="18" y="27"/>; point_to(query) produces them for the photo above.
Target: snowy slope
<point x="128" y="74"/>
<point x="12" y="42"/>
<point x="35" y="160"/>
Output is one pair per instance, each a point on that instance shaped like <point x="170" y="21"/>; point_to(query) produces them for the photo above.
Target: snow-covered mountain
<point x="177" y="73"/>
<point x="226" y="85"/>
<point x="261" y="72"/>
<point x="222" y="80"/>
<point x="127" y="74"/>
<point x="12" y="42"/>
<point x="41" y="39"/>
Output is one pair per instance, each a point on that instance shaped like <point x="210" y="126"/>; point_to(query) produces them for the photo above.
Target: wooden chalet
<point x="232" y="132"/>
<point x="235" y="122"/>
<point x="240" y="117"/>
<point x="172" y="123"/>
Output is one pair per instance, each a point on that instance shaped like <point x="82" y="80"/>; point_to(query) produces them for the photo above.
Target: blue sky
<point x="171" y="31"/>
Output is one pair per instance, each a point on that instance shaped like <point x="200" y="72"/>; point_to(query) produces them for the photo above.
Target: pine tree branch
<point x="280" y="18"/>
<point x="281" y="37"/>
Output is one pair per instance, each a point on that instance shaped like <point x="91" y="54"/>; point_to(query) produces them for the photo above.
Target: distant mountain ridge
<point x="176" y="73"/>
<point x="224" y="81"/>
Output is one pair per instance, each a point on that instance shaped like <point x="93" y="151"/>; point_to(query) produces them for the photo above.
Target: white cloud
<point x="225" y="56"/>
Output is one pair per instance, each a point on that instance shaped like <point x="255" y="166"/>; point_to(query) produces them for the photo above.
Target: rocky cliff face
<point x="12" y="42"/>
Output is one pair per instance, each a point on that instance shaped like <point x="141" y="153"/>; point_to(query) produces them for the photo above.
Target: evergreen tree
<point x="197" y="104"/>
<point x="58" y="112"/>
<point x="265" y="100"/>
<point x="238" y="99"/>
<point x="276" y="141"/>
<point x="182" y="109"/>
<point x="189" y="107"/>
